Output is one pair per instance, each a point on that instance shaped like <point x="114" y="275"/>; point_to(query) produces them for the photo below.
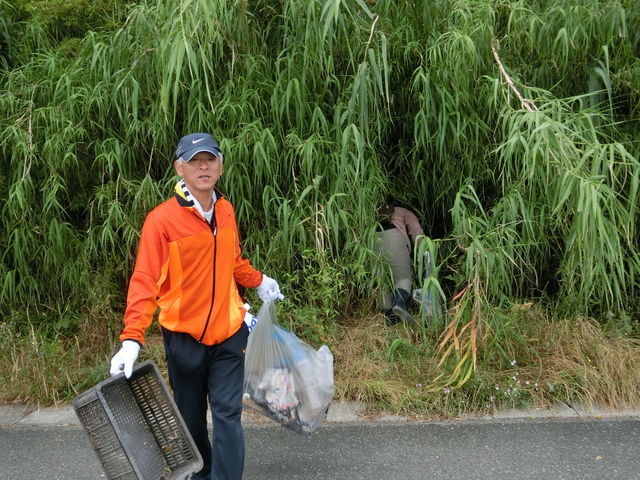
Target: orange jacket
<point x="188" y="269"/>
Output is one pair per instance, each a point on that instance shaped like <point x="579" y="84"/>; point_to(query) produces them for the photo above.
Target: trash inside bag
<point x="285" y="379"/>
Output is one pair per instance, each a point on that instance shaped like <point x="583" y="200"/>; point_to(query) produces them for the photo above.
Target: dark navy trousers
<point x="199" y="372"/>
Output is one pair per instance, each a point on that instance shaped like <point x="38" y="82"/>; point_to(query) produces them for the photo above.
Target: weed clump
<point x="545" y="361"/>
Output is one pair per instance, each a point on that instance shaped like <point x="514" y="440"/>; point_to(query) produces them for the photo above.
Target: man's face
<point x="200" y="173"/>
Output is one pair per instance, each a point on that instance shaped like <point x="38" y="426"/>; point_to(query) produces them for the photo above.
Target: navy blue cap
<point x="194" y="143"/>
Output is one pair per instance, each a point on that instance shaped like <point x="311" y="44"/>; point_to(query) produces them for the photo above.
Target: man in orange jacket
<point x="188" y="266"/>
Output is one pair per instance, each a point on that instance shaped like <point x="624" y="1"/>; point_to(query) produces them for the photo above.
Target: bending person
<point x="398" y="230"/>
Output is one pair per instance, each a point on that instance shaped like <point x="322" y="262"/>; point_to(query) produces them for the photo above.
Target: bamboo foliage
<point x="511" y="129"/>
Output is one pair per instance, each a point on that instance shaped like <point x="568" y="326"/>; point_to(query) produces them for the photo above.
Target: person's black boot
<point x="391" y="317"/>
<point x="399" y="306"/>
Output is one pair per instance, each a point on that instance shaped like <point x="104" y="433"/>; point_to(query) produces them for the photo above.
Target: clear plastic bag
<point x="286" y="379"/>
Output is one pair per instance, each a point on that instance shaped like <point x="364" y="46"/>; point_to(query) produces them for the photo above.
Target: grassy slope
<point x="390" y="368"/>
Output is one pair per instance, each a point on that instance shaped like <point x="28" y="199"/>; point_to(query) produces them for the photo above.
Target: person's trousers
<point x="198" y="372"/>
<point x="392" y="245"/>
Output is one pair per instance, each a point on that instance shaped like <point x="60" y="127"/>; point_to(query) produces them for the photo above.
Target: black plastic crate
<point x="136" y="428"/>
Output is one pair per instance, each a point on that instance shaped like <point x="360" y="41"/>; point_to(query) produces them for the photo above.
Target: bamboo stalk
<point x="526" y="103"/>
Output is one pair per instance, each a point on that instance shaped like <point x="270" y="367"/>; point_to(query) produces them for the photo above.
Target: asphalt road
<point x="497" y="450"/>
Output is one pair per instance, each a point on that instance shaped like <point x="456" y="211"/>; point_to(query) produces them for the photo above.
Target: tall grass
<point x="547" y="361"/>
<point x="511" y="128"/>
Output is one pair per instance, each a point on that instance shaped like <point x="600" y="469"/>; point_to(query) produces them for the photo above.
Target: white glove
<point x="125" y="358"/>
<point x="269" y="290"/>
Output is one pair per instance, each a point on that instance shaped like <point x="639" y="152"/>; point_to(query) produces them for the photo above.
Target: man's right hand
<point x="269" y="290"/>
<point x="125" y="358"/>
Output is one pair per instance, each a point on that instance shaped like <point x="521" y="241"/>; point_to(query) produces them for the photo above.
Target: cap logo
<point x="196" y="141"/>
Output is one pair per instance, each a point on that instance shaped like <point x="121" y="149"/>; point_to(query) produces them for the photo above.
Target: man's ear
<point x="178" y="166"/>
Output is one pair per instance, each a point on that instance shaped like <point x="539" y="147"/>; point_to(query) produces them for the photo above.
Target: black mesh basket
<point x="136" y="428"/>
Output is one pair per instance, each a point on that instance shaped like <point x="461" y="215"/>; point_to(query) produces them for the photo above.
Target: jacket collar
<point x="186" y="199"/>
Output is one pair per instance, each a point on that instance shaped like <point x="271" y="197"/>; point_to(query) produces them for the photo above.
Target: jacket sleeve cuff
<point x="139" y="342"/>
